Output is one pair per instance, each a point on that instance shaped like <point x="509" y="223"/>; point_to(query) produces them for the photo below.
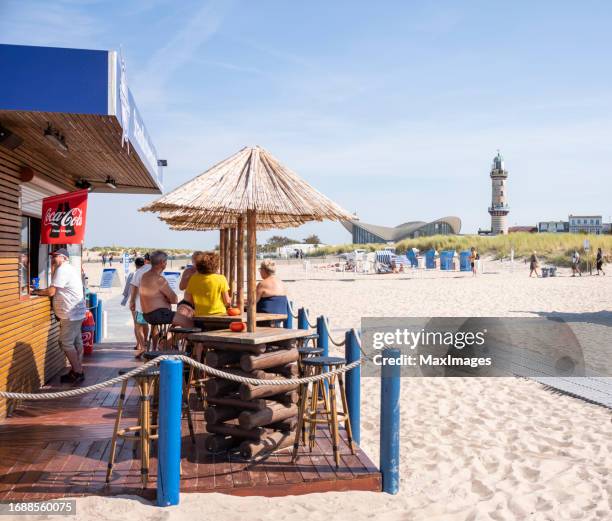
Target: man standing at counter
<point x="69" y="307"/>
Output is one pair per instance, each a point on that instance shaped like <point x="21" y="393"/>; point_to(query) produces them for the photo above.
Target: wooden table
<point x="211" y="322"/>
<point x="263" y="335"/>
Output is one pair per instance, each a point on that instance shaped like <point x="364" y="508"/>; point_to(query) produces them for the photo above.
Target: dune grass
<point x="555" y="248"/>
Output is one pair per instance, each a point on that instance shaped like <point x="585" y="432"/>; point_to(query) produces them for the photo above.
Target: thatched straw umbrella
<point x="249" y="186"/>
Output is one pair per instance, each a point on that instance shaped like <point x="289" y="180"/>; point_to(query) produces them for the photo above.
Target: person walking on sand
<point x="533" y="264"/>
<point x="104" y="260"/>
<point x="473" y="259"/>
<point x="576" y="264"/>
<point x="599" y="260"/>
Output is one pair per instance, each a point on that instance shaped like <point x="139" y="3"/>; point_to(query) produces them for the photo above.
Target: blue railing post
<point x="289" y="321"/>
<point x="169" y="443"/>
<point x="323" y="335"/>
<point x="390" y="422"/>
<point x="302" y="319"/>
<point x="96" y="309"/>
<point x="353" y="383"/>
<point x="323" y="341"/>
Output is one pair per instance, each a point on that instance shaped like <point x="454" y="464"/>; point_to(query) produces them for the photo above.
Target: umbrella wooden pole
<point x="251" y="261"/>
<point x="221" y="250"/>
<point x="240" y="263"/>
<point x="226" y="243"/>
<point x="232" y="264"/>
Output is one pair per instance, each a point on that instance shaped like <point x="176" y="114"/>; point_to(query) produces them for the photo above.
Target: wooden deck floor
<point x="60" y="448"/>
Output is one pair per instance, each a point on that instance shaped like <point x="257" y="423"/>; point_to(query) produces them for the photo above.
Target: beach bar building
<point x="68" y="122"/>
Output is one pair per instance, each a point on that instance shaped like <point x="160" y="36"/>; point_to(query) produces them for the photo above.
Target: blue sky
<point x="393" y="109"/>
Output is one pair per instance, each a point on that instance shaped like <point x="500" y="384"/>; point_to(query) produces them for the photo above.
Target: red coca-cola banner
<point x="63" y="218"/>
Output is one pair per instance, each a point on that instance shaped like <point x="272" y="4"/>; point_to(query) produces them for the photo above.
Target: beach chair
<point x="464" y="261"/>
<point x="447" y="260"/>
<point x="383" y="261"/>
<point x="430" y="259"/>
<point x="411" y="255"/>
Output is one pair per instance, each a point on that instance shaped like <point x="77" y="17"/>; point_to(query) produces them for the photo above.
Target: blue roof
<point x="74" y="81"/>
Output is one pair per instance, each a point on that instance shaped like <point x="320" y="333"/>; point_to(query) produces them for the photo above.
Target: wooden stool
<point x="158" y="336"/>
<point x="307" y="352"/>
<point x="151" y="355"/>
<point x="180" y="338"/>
<point x="313" y="337"/>
<point x="309" y="415"/>
<point x="143" y="432"/>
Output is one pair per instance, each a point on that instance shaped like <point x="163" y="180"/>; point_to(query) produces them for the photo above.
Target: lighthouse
<point x="499" y="197"/>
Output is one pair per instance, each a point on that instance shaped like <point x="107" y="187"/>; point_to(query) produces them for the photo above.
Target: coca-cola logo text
<point x="73" y="217"/>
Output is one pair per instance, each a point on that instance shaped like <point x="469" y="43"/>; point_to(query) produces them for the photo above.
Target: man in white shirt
<point x="141" y="325"/>
<point x="69" y="307"/>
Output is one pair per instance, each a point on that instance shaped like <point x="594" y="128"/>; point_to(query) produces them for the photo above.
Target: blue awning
<point x="75" y="82"/>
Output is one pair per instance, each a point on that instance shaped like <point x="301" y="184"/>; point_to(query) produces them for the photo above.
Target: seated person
<point x="188" y="272"/>
<point x="157" y="297"/>
<point x="207" y="290"/>
<point x="271" y="294"/>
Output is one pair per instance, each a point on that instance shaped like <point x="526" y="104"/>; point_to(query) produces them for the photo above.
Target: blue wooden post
<point x="169" y="444"/>
<point x="353" y="384"/>
<point x="93" y="307"/>
<point x="390" y="422"/>
<point x="323" y="342"/>
<point x="302" y="319"/>
<point x="96" y="305"/>
<point x="323" y="335"/>
<point x="289" y="321"/>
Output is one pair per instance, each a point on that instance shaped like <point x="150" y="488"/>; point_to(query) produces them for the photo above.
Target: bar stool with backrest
<point x="151" y="355"/>
<point x="145" y="430"/>
<point x="310" y="413"/>
<point x="181" y="342"/>
<point x="180" y="338"/>
<point x="158" y="336"/>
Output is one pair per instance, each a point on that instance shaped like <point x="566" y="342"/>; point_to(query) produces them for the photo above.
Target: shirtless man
<point x="157" y="297"/>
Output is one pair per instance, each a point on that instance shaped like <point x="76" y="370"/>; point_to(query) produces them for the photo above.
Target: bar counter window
<point x="29" y="254"/>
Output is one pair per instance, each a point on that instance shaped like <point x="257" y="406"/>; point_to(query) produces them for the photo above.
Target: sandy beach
<point x="471" y="449"/>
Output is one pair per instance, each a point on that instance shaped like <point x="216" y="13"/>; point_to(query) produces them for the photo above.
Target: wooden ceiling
<point x="94" y="151"/>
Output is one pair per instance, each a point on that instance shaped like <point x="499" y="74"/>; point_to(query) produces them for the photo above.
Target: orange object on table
<point x="238" y="327"/>
<point x="233" y="312"/>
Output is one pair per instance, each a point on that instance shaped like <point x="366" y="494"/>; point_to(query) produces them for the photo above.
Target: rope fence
<point x="189" y="361"/>
<point x="292" y="309"/>
<point x="310" y="324"/>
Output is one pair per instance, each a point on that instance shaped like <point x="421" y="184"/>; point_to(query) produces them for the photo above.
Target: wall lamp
<point x="83" y="184"/>
<point x="56" y="137"/>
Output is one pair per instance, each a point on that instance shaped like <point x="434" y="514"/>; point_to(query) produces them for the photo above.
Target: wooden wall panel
<point x="29" y="350"/>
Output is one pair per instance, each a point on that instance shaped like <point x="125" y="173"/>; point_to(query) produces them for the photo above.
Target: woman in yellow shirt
<point x="207" y="290"/>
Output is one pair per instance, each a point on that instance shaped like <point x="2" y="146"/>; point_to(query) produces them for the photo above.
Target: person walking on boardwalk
<point x="139" y="262"/>
<point x="599" y="260"/>
<point x="69" y="307"/>
<point x="141" y="325"/>
<point x="533" y="264"/>
<point x="576" y="264"/>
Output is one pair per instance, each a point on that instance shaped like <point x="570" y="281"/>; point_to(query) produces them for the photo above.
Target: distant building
<point x="499" y="208"/>
<point x="585" y="224"/>
<point x="364" y="233"/>
<point x="553" y="226"/>
<point x="523" y="229"/>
